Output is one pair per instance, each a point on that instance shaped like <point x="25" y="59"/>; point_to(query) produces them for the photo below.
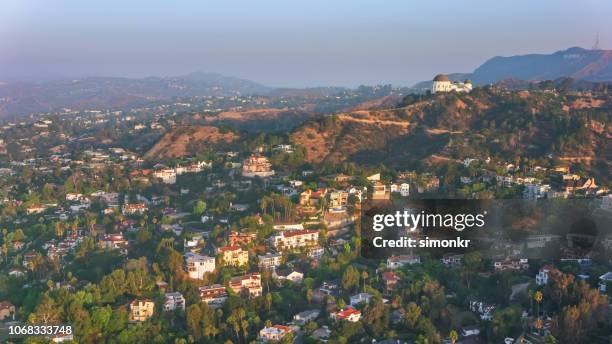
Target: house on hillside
<point x="274" y="333"/>
<point x="173" y="301"/>
<point x="198" y="265"/>
<point x="213" y="295"/>
<point x="349" y="314"/>
<point x="395" y="262"/>
<point x="141" y="310"/>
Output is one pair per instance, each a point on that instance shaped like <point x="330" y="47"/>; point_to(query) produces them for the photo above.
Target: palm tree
<point x="364" y="276"/>
<point x="538" y="324"/>
<point x="538" y="296"/>
<point x="239" y="323"/>
<point x="35" y="264"/>
<point x="309" y="295"/>
<point x="4" y="251"/>
<point x="59" y="229"/>
<point x="264" y="204"/>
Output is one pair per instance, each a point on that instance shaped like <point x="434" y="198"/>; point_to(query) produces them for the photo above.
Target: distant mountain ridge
<point x="576" y="63"/>
<point x="22" y="98"/>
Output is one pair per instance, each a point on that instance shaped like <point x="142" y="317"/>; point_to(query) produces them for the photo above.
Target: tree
<point x="364" y="277"/>
<point x="143" y="236"/>
<point x="113" y="285"/>
<point x="59" y="229"/>
<point x="549" y="339"/>
<point x="505" y="322"/>
<point x="47" y="312"/>
<point x="350" y="278"/>
<point x="412" y="314"/>
<point x="559" y="285"/>
<point x="138" y="282"/>
<point x="309" y="295"/>
<point x="472" y="262"/>
<point x="18" y="235"/>
<point x="199" y="208"/>
<point x="287" y="339"/>
<point x="193" y="315"/>
<point x="376" y="317"/>
<point x="421" y="339"/>
<point x="86" y="246"/>
<point x="238" y="322"/>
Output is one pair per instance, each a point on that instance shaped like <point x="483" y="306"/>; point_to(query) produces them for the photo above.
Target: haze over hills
<point x="21" y="98"/>
<point x="576" y="63"/>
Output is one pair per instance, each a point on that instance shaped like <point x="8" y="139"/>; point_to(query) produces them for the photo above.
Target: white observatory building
<point x="441" y="83"/>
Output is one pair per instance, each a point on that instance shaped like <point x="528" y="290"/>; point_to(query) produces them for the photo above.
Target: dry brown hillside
<point x="386" y="102"/>
<point x="336" y="137"/>
<point x="181" y="141"/>
<point x="262" y="119"/>
<point x="452" y="127"/>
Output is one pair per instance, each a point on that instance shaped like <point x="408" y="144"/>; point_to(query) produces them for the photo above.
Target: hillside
<point x="483" y="123"/>
<point x="342" y="137"/>
<point x="576" y="63"/>
<point x="268" y="120"/>
<point x="183" y="141"/>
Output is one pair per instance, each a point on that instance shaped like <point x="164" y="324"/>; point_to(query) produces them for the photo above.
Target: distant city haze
<point x="287" y="43"/>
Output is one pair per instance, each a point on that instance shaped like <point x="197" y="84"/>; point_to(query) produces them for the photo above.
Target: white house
<point x="193" y="242"/>
<point x="289" y="227"/>
<point x="360" y="298"/>
<point x="197" y="265"/>
<point x="403" y="189"/>
<point x="541" y="240"/>
<point x="167" y="175"/>
<point x="289" y="275"/>
<point x="395" y="262"/>
<point x="484" y="310"/>
<point x="270" y="260"/>
<point x="274" y="333"/>
<point x="173" y="301"/>
<point x="306" y="316"/>
<point x="206" y="217"/>
<point x="604" y="281"/>
<point x="470" y="331"/>
<point x="316" y="252"/>
<point x="374" y="178"/>
<point x="542" y="276"/>
<point x="295" y="239"/>
<point x="452" y="259"/>
<point x="536" y="191"/>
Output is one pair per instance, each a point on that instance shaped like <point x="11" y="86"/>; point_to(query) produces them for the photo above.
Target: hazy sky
<point x="287" y="42"/>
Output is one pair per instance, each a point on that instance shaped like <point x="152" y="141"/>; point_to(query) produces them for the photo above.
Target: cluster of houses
<point x="326" y="206"/>
<point x="168" y="174"/>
